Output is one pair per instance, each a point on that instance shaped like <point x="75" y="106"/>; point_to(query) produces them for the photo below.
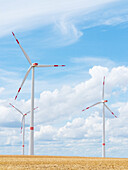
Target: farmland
<point x="63" y="163"/>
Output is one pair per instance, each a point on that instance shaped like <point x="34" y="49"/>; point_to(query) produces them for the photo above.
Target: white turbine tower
<point x="32" y="66"/>
<point x="104" y="105"/>
<point x="22" y="124"/>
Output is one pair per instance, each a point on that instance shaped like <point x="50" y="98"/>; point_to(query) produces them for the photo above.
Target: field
<point x="61" y="163"/>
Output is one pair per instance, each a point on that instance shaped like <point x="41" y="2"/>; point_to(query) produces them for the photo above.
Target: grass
<point x="11" y="162"/>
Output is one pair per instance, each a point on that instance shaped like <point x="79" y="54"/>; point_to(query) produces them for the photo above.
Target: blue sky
<point x="90" y="38"/>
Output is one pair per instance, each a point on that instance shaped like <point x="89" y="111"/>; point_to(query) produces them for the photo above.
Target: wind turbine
<point x="32" y="66"/>
<point x="22" y="123"/>
<point x="103" y="101"/>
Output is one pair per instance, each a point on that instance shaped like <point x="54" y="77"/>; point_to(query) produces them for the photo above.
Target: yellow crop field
<point x="61" y="163"/>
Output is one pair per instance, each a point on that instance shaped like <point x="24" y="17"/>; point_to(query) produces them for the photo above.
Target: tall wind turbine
<point x="103" y="101"/>
<point x="32" y="66"/>
<point x="22" y="123"/>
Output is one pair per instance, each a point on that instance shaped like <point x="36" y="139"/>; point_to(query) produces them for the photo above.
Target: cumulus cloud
<point x="68" y="101"/>
<point x="60" y="117"/>
<point x="87" y="125"/>
<point x="45" y="133"/>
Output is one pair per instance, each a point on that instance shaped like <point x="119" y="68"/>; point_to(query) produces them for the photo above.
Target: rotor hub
<point x="35" y="64"/>
<point x="104" y="101"/>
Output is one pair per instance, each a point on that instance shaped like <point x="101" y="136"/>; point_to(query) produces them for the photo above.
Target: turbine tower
<point x="22" y="124"/>
<point x="32" y="66"/>
<point x="103" y="101"/>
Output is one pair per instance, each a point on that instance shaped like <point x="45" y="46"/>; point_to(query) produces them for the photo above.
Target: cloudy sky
<point x="90" y="37"/>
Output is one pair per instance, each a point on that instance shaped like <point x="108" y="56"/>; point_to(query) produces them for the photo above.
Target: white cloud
<point x="72" y="129"/>
<point x="116" y="20"/>
<point x="91" y="61"/>
<point x="86" y="125"/>
<point x="45" y="133"/>
<point x="68" y="31"/>
<point x="1" y="89"/>
<point x="59" y="117"/>
<point x="69" y="101"/>
<point x="65" y="17"/>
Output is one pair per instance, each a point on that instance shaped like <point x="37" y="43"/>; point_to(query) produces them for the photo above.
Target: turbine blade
<point x="50" y="66"/>
<point x="110" y="110"/>
<point x="103" y="88"/>
<point x="91" y="106"/>
<point x="22" y="50"/>
<point x="23" y="81"/>
<point x="16" y="108"/>
<point x="30" y="111"/>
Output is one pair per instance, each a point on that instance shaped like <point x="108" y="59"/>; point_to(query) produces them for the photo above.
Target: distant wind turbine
<point x="22" y="123"/>
<point x="104" y="105"/>
<point x="32" y="66"/>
